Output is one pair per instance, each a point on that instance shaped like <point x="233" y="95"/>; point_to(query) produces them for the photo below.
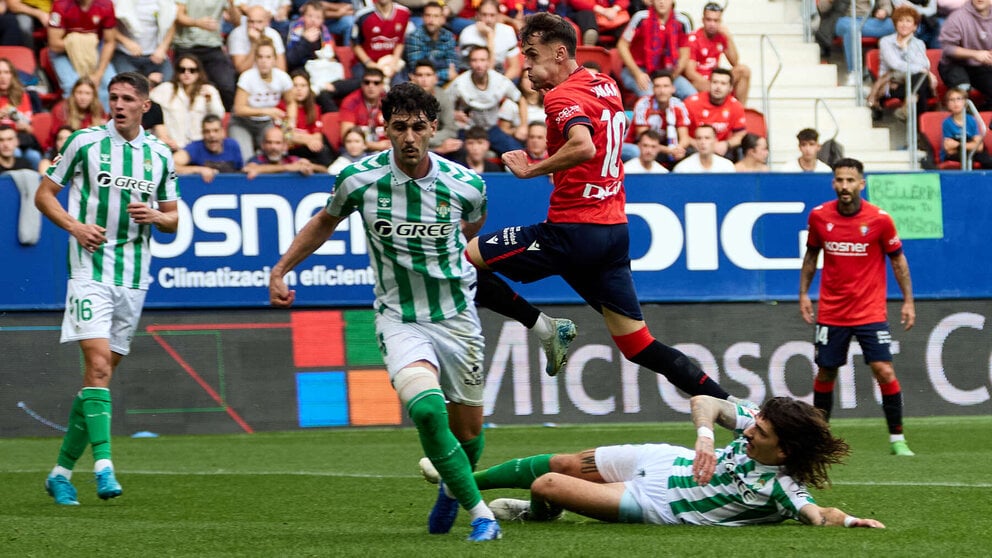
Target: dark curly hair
<point x="410" y="98"/>
<point x="804" y="437"/>
<point x="549" y="28"/>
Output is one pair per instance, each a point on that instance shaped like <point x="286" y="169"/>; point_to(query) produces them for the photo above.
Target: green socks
<point x="473" y="449"/>
<point x="428" y="412"/>
<point x="515" y="473"/>
<point x="96" y="410"/>
<point x="76" y="436"/>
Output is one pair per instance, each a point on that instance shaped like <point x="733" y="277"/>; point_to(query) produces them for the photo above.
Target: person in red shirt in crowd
<point x="706" y="44"/>
<point x="855" y="238"/>
<point x="75" y="25"/>
<point x="362" y="108"/>
<point x="664" y="114"/>
<point x="377" y="38"/>
<point x="719" y="109"/>
<point x="585" y="238"/>
<point x="654" y="40"/>
<point x="599" y="17"/>
<point x="306" y="136"/>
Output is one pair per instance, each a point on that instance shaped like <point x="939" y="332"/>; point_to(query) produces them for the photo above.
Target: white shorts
<point x="644" y="469"/>
<point x="454" y="346"/>
<point x="98" y="311"/>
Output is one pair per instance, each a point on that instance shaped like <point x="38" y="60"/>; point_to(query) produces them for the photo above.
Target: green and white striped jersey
<point x="414" y="232"/>
<point x="741" y="492"/>
<point x="106" y="173"/>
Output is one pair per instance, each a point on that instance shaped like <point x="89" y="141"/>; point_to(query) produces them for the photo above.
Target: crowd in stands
<point x="259" y="86"/>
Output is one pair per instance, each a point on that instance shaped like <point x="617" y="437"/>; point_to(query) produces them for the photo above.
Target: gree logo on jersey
<point x="105" y="179"/>
<point x="383" y="227"/>
<point x="846" y="247"/>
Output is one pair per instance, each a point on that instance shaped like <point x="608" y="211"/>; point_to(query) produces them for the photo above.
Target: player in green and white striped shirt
<point x="122" y="182"/>
<point x="761" y="477"/>
<point x="418" y="210"/>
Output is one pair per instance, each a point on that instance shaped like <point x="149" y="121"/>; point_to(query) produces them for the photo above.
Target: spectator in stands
<point x="274" y="158"/>
<point x="82" y="43"/>
<point x="655" y="40"/>
<point x="706" y="45"/>
<point x="878" y="25"/>
<point x="460" y="14"/>
<point x="28" y="12"/>
<point x="829" y="11"/>
<point x="705" y="159"/>
<point x="951" y="130"/>
<point x="649" y="144"/>
<point x="306" y="138"/>
<point x="198" y="33"/>
<point x="718" y="108"/>
<point x="80" y="109"/>
<point x="966" y="38"/>
<point x="809" y="148"/>
<point x="897" y="52"/>
<point x="377" y="38"/>
<point x="477" y="151"/>
<point x="144" y="36"/>
<point x="513" y="12"/>
<point x="509" y="111"/>
<point x="15" y="112"/>
<point x="278" y="11"/>
<point x="9" y="160"/>
<point x="478" y="94"/>
<point x="185" y="100"/>
<point x="445" y="140"/>
<point x="256" y="104"/>
<point x="153" y="121"/>
<point x="339" y="17"/>
<point x="536" y="146"/>
<point x="214" y="154"/>
<point x="307" y="36"/>
<point x="666" y="115"/>
<point x="362" y="108"/>
<point x="355" y="150"/>
<point x="61" y="134"/>
<point x="499" y="38"/>
<point x="433" y="42"/>
<point x="928" y="26"/>
<point x="595" y="18"/>
<point x="243" y="39"/>
<point x="755" y="159"/>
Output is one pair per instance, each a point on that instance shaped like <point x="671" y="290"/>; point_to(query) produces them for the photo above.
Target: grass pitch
<point x="357" y="492"/>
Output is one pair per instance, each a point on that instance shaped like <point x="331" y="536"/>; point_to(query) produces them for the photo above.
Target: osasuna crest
<point x="863" y="229"/>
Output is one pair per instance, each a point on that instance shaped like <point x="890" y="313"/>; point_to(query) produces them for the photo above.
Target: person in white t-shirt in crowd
<point x="509" y="112"/>
<point x="705" y="158"/>
<point x="499" y="38"/>
<point x="649" y="144"/>
<point x="243" y="39"/>
<point x="477" y="95"/>
<point x="809" y="148"/>
<point x="755" y="158"/>
<point x="278" y="11"/>
<point x="256" y="101"/>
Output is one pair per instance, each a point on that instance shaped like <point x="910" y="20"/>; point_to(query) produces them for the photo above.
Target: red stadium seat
<point x="346" y="57"/>
<point x="332" y="128"/>
<point x="597" y="54"/>
<point x="22" y="58"/>
<point x="755" y="122"/>
<point x="41" y="127"/>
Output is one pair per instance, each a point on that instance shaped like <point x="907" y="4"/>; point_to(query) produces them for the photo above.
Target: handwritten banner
<point x="913" y="200"/>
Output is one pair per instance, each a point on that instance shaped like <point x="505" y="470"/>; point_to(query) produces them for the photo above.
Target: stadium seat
<point x="597" y="54"/>
<point x="332" y="128"/>
<point x="346" y="57"/>
<point x="41" y="127"/>
<point x="22" y="58"/>
<point x="54" y="94"/>
<point x="931" y="126"/>
<point x="755" y="122"/>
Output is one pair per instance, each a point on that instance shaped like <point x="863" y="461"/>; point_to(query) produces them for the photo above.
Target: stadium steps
<point x="802" y="80"/>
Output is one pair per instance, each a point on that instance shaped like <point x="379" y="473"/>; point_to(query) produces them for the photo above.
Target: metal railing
<point x="766" y="88"/>
<point x="966" y="155"/>
<point x="816" y="117"/>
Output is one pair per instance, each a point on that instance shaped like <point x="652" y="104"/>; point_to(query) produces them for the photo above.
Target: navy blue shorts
<point x="593" y="259"/>
<point x="832" y="343"/>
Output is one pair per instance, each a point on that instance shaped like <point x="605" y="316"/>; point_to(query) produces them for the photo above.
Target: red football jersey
<point x="852" y="284"/>
<point x="706" y="51"/>
<point x="67" y="15"/>
<point x="725" y="119"/>
<point x="379" y="34"/>
<point x="591" y="192"/>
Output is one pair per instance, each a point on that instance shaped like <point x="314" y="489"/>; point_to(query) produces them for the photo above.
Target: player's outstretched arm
<point x="317" y="230"/>
<point x="707" y="411"/>
<point x="812" y="514"/>
<point x="578" y="149"/>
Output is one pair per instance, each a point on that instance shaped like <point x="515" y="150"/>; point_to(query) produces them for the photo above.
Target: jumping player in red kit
<point x="855" y="238"/>
<point x="585" y="238"/>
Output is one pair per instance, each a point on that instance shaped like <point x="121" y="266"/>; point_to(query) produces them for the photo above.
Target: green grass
<point x="358" y="493"/>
